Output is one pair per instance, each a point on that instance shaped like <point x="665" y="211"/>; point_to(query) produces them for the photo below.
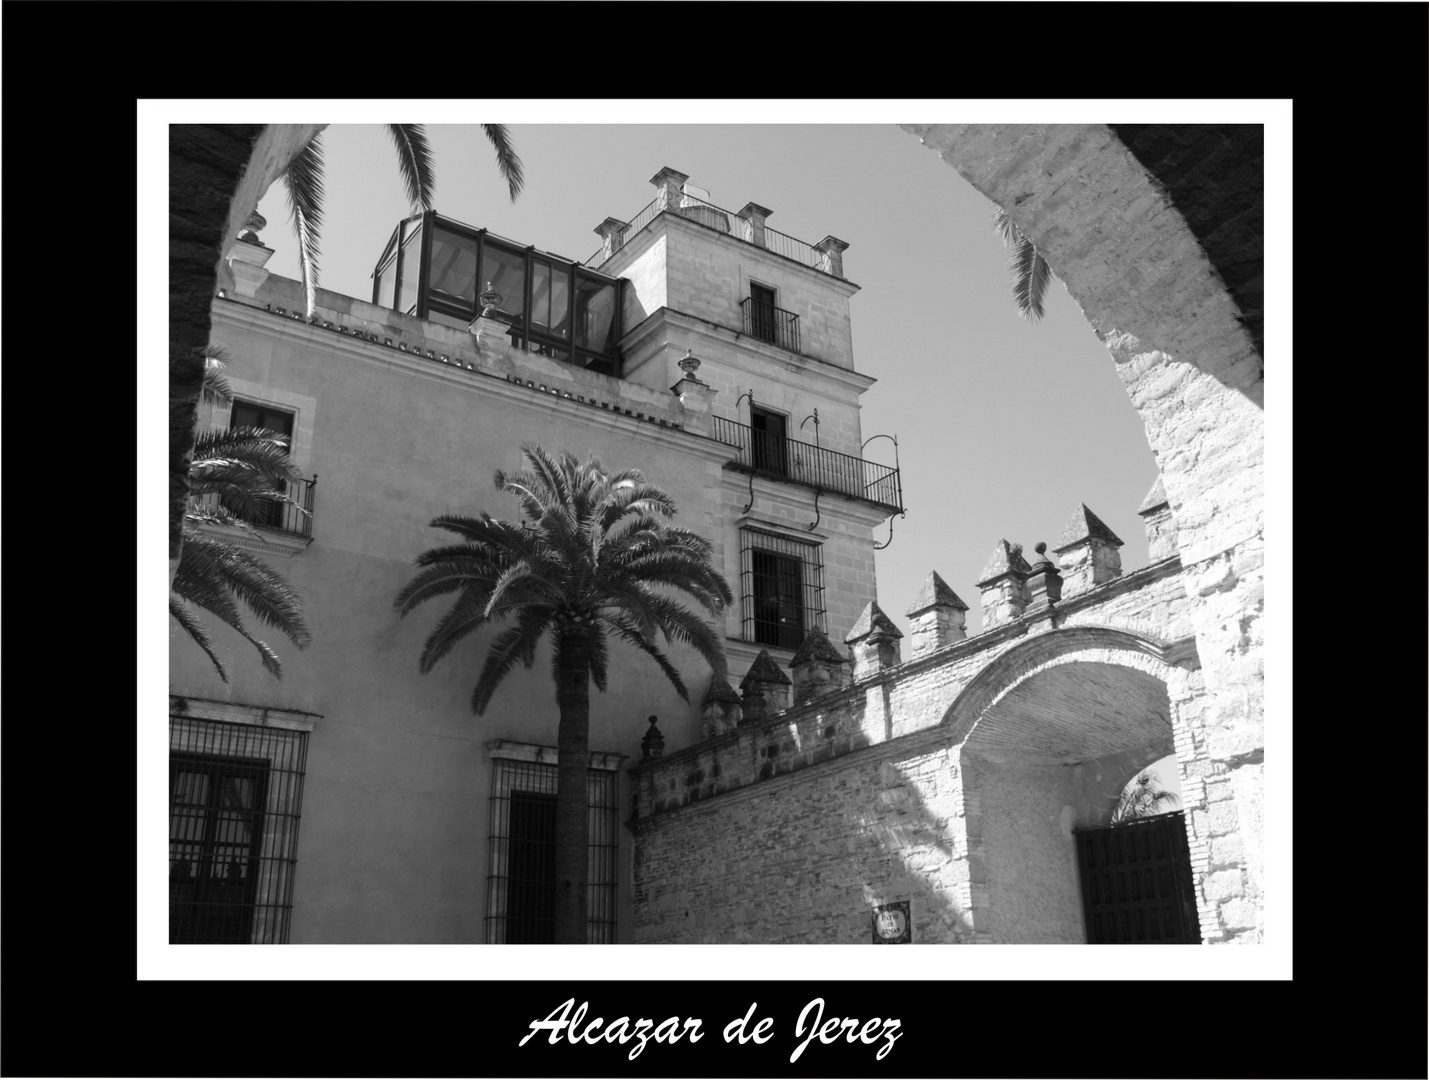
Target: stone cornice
<point x="546" y="755"/>
<point x="628" y="420"/>
<point x="230" y="712"/>
<point x="268" y="541"/>
<point x="668" y="219"/>
<point x="778" y="359"/>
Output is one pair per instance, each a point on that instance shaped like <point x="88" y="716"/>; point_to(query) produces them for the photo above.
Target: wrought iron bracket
<point x="818" y="514"/>
<point x="880" y="547"/>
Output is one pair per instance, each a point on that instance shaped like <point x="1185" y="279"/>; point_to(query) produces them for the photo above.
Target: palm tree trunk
<point x="573" y="752"/>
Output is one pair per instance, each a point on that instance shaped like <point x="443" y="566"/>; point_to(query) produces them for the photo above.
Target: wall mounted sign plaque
<point x="891" y="924"/>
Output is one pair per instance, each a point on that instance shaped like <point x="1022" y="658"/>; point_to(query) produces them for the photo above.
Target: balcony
<point x="767" y="454"/>
<point x="287" y="524"/>
<point x="769" y="323"/>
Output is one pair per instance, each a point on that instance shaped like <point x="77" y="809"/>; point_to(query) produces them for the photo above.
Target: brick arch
<point x="1075" y="645"/>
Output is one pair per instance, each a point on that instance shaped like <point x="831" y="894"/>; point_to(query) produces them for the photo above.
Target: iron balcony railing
<point x="805" y="463"/>
<point x="725" y="221"/>
<point x="769" y="323"/>
<point x="292" y="516"/>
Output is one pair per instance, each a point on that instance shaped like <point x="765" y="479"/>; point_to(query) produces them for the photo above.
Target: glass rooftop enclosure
<point x="439" y="269"/>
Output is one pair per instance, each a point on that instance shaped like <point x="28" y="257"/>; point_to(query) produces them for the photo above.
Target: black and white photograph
<point x="898" y="578"/>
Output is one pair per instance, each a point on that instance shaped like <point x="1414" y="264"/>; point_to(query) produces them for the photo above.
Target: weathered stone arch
<point x="1101" y="645"/>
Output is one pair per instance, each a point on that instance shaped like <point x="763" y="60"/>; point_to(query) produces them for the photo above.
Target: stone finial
<point x="1155" y="512"/>
<point x="248" y="257"/>
<point x="937" y="616"/>
<point x="249" y="233"/>
<point x="1003" y="582"/>
<point x="1044" y="583"/>
<point x="832" y="249"/>
<point x="696" y="396"/>
<point x="1088" y="550"/>
<point x="721" y="709"/>
<point x="817" y="666"/>
<point x="874" y="640"/>
<point x="670" y="184"/>
<point x="755" y="215"/>
<point x="765" y="688"/>
<point x="653" y="745"/>
<point x="612" y="234"/>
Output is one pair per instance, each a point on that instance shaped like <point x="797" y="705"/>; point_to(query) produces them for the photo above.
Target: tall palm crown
<point x="1028" y="270"/>
<point x="595" y="557"/>
<point x="304" y="182"/>
<point x="248" y="468"/>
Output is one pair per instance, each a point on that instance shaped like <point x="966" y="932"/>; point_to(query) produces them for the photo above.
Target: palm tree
<point x="1142" y="798"/>
<point x="247" y="468"/>
<point x="593" y="558"/>
<point x="1029" y="271"/>
<point x="304" y="182"/>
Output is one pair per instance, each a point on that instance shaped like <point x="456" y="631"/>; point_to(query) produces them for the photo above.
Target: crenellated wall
<point x="955" y="779"/>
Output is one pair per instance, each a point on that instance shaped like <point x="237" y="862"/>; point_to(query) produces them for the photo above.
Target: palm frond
<point x="507" y="163"/>
<point x="1030" y="274"/>
<point x="304" y="183"/>
<point x="516" y="644"/>
<point x="414" y="159"/>
<point x="216" y="390"/>
<point x="248" y="578"/>
<point x="188" y="621"/>
<point x="631" y="634"/>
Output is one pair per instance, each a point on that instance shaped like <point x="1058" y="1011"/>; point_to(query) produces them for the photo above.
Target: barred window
<point x="521" y="882"/>
<point x="782" y="588"/>
<point x="235" y="793"/>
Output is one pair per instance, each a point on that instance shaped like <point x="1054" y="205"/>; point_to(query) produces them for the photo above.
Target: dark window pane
<point x="531" y="911"/>
<point x="453" y="274"/>
<point x="767" y="441"/>
<point x="762" y="312"/>
<point x="506" y="271"/>
<point x="595" y="315"/>
<point x="778" y="603"/>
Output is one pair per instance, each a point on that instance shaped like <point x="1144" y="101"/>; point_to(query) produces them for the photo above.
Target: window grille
<point x="235" y="795"/>
<point x="782" y="587"/>
<point x="521" y="884"/>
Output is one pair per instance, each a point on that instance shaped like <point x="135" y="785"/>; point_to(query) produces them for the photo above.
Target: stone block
<point x="1224" y="885"/>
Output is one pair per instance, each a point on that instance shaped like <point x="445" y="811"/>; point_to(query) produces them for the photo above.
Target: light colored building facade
<point x="699" y="346"/>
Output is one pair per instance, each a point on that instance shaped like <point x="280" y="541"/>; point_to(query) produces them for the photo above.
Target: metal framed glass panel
<point x="409" y="272"/>
<point x="505" y="269"/>
<point x="453" y="270"/>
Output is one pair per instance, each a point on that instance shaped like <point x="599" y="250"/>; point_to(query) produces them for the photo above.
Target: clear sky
<point x="1003" y="426"/>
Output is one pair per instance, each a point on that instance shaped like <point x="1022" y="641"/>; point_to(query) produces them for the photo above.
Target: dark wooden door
<point x="1137" y="887"/>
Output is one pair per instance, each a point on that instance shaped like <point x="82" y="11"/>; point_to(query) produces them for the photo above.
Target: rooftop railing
<point x="768" y="454"/>
<point x="720" y="220"/>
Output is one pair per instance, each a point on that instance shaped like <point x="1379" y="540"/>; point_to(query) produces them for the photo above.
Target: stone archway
<point x="1046" y="736"/>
